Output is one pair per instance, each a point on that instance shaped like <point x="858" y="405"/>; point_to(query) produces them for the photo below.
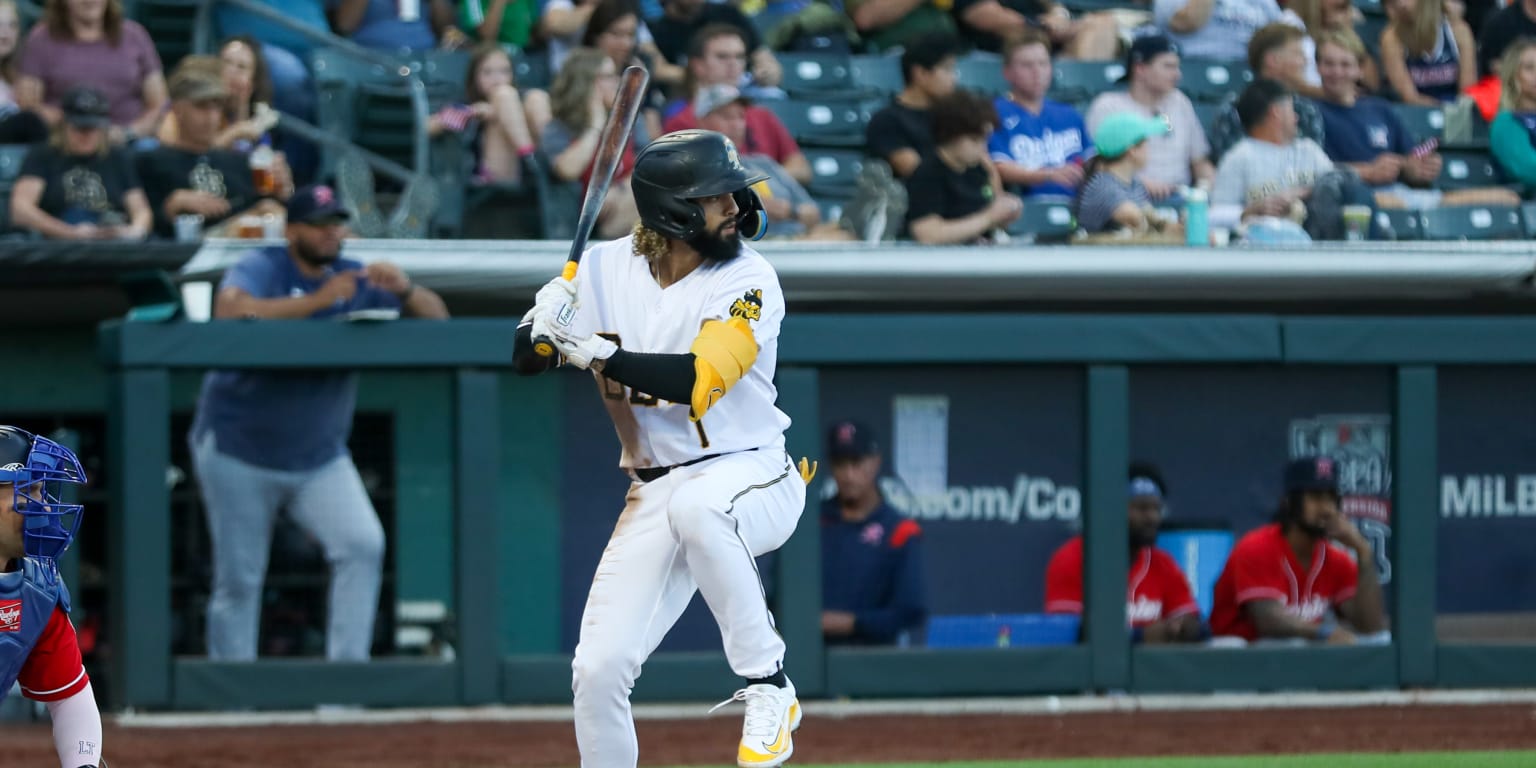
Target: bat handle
<point x="543" y="347"/>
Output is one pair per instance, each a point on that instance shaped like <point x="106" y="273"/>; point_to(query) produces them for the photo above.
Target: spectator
<point x="1159" y="607"/>
<point x="1508" y="24"/>
<point x="1422" y="52"/>
<point x="613" y="29"/>
<point x="1214" y="29"/>
<point x="78" y="186"/>
<point x="1285" y="579"/>
<point x="1041" y="144"/>
<point x="284" y="52"/>
<point x="566" y="25"/>
<point x="987" y="23"/>
<point x="397" y="26"/>
<point x="871" y="558"/>
<point x="1512" y="136"/>
<point x="17" y="126"/>
<point x="192" y="175"/>
<point x="493" y="117"/>
<point x="1365" y="135"/>
<point x="88" y="42"/>
<point x="1179" y="156"/>
<point x="1322" y="16"/>
<point x="954" y="197"/>
<point x="720" y="53"/>
<point x="791" y="210"/>
<point x="581" y="97"/>
<point x="1270" y="172"/>
<point x="1113" y="199"/>
<point x="1274" y="53"/>
<point x="505" y="22"/>
<point x="887" y="24"/>
<point x="901" y="133"/>
<point x="682" y="19"/>
<point x="246" y="116"/>
<point x="263" y="441"/>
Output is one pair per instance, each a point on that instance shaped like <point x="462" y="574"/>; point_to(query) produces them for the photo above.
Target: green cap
<point x="1123" y="130"/>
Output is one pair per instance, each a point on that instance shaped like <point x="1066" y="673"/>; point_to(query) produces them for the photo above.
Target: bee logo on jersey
<point x="749" y="306"/>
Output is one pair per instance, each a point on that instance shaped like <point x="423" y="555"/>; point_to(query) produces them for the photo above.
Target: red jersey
<point x="1155" y="587"/>
<point x="1263" y="567"/>
<point x="53" y="671"/>
<point x="766" y="134"/>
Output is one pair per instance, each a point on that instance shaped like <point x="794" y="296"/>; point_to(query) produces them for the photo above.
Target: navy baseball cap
<point x="315" y="204"/>
<point x="1315" y="473"/>
<point x="1144" y="49"/>
<point x="851" y="440"/>
<point x="85" y="107"/>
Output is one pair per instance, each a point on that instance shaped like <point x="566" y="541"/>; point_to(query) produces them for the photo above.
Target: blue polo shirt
<point x="874" y="570"/>
<point x="1055" y="137"/>
<point x="290" y="420"/>
<point x="1358" y="134"/>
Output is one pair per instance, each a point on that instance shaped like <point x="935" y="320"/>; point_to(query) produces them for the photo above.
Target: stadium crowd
<point x="990" y="116"/>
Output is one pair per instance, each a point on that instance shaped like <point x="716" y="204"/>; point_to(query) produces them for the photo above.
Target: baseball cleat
<point x="773" y="714"/>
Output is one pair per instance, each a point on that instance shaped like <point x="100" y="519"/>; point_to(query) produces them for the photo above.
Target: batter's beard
<point x="717" y="246"/>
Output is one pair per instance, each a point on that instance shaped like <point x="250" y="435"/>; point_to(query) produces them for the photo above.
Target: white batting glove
<point x="555" y="294"/>
<point x="578" y="351"/>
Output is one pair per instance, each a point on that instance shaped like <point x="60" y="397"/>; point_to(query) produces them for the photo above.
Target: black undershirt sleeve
<point x="669" y="377"/>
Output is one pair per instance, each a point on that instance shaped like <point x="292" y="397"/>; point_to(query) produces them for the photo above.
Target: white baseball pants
<point x="698" y="527"/>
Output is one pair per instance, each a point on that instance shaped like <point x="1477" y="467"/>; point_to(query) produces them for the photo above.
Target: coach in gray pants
<point x="264" y="441"/>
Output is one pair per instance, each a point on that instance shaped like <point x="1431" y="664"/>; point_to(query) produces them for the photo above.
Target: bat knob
<point x="543" y="348"/>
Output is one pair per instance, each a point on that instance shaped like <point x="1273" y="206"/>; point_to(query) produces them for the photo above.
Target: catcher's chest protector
<point x="26" y="605"/>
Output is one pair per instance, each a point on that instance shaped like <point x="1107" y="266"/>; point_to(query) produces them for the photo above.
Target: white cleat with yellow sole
<point x="773" y="714"/>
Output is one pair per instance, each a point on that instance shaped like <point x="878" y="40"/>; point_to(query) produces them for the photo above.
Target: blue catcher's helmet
<point x="36" y="468"/>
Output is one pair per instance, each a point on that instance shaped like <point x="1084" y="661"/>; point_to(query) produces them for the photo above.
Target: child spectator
<point x="92" y="44"/>
<point x="954" y="197"/>
<point x="901" y="133"/>
<point x="493" y="117"/>
<point x="1040" y="144"/>
<point x="1429" y="56"/>
<point x="581" y="98"/>
<point x="1113" y="198"/>
<point x="78" y="186"/>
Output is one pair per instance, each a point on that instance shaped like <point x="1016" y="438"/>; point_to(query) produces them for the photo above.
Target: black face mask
<point x="717" y="246"/>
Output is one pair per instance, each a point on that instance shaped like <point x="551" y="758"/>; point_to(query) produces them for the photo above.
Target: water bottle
<point x="1196" y="226"/>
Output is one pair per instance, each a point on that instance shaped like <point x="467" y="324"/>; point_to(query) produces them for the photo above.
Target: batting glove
<point x="555" y="295"/>
<point x="578" y="351"/>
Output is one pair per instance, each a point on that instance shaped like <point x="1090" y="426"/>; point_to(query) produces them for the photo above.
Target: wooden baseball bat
<point x="610" y="150"/>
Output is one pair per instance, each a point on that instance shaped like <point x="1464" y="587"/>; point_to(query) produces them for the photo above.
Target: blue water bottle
<point x="1196" y="225"/>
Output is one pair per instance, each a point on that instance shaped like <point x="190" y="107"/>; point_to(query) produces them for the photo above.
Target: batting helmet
<point x="36" y="468"/>
<point x="674" y="171"/>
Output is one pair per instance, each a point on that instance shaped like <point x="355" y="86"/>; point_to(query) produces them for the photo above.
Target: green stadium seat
<point x="1080" y="81"/>
<point x="1213" y="81"/>
<point x="813" y="75"/>
<point x="531" y="70"/>
<point x="1400" y="224"/>
<point x="834" y="172"/>
<point x="1465" y="170"/>
<point x="1371" y="7"/>
<point x="1044" y="222"/>
<point x="1207" y="112"/>
<point x="877" y="73"/>
<point x="170" y="24"/>
<point x="1421" y="122"/>
<point x="823" y="122"/>
<point x="11" y="157"/>
<point x="981" y="71"/>
<point x="1528" y="217"/>
<point x="446" y="67"/>
<point x="1473" y="222"/>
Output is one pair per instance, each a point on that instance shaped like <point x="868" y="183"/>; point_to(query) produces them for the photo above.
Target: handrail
<point x="304" y="129"/>
<point x="407" y="69"/>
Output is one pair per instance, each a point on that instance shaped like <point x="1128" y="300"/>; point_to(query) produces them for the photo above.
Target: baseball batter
<point x="679" y="322"/>
<point x="38" y="646"/>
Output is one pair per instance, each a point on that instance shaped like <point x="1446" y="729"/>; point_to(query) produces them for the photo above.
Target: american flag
<point x="455" y="117"/>
<point x="1425" y="149"/>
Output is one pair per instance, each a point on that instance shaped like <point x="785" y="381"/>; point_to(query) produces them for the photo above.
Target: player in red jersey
<point x="1286" y="580"/>
<point x="1158" y="603"/>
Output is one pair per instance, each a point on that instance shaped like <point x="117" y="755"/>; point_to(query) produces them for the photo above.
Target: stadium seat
<point x="448" y="67"/>
<point x="834" y="172"/>
<point x="1207" y="113"/>
<point x="170" y="24"/>
<point x="813" y="75"/>
<point x="1528" y="217"/>
<point x="981" y="71"/>
<point x="1080" y="81"/>
<point x="1044" y="221"/>
<point x="1473" y="222"/>
<point x="11" y="157"/>
<point x="531" y="70"/>
<point x="877" y="73"/>
<point x="1421" y="122"/>
<point x="1464" y="170"/>
<point x="823" y="122"/>
<point x="1400" y="224"/>
<point x="1213" y="81"/>
<point x="1371" y="7"/>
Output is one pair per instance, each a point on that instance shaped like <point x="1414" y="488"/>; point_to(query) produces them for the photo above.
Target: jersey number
<point x="612" y="390"/>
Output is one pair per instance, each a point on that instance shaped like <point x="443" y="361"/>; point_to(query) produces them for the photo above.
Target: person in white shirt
<point x="1271" y="171"/>
<point x="679" y="323"/>
<point x="1179" y="156"/>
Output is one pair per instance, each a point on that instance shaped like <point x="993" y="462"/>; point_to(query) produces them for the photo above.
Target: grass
<point x="1405" y="760"/>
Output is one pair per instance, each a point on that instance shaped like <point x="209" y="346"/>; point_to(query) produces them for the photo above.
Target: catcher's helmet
<point x="677" y="169"/>
<point x="36" y="467"/>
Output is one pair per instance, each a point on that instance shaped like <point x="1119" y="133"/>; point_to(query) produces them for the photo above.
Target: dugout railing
<point x="504" y="456"/>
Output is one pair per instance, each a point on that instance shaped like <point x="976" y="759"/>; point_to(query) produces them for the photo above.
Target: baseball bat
<point x="610" y="150"/>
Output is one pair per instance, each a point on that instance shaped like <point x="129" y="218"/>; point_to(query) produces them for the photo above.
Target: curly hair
<point x="649" y="243"/>
<point x="961" y="114"/>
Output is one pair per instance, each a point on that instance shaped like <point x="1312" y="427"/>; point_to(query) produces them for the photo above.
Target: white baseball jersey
<point x="620" y="299"/>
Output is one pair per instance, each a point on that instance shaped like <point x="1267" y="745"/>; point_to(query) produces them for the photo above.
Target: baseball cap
<point x="849" y="439"/>
<point x="1315" y="473"/>
<point x="314" y="204"/>
<point x="1144" y="49"/>
<point x="1123" y="130"/>
<point x="85" y="107"/>
<point x="713" y="97"/>
<point x="196" y="84"/>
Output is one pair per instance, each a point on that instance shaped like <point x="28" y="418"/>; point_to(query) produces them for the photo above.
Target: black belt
<point x="649" y="474"/>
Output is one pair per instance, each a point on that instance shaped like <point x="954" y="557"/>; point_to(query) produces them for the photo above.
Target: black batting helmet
<point x="677" y="169"/>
